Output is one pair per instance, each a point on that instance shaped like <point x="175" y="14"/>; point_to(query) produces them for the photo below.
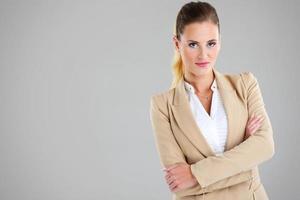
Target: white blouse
<point x="213" y="126"/>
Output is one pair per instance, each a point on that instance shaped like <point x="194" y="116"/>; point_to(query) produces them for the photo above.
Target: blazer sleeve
<point x="168" y="148"/>
<point x="171" y="153"/>
<point x="256" y="149"/>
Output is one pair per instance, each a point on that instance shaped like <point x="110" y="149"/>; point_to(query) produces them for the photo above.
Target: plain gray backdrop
<point x="75" y="84"/>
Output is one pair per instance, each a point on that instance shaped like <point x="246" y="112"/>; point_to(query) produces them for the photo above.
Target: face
<point x="200" y="42"/>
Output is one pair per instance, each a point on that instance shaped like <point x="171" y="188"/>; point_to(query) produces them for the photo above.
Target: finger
<point x="254" y="128"/>
<point x="171" y="167"/>
<point x="171" y="178"/>
<point x="251" y="121"/>
<point x="255" y="118"/>
<point x="254" y="122"/>
<point x="167" y="176"/>
<point x="169" y="173"/>
<point x="261" y="119"/>
<point x="169" y="181"/>
<point x="254" y="125"/>
<point x="250" y="127"/>
<point x="257" y="122"/>
<point x="173" y="185"/>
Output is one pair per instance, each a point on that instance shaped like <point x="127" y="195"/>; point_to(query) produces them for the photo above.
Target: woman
<point x="211" y="129"/>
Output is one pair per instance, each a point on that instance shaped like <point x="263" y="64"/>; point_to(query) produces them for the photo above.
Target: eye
<point x="211" y="44"/>
<point x="192" y="44"/>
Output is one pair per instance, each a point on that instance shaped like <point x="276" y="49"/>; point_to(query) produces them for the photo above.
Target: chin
<point x="202" y="71"/>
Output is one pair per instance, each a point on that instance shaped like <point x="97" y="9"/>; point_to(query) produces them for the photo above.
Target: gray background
<point x="76" y="80"/>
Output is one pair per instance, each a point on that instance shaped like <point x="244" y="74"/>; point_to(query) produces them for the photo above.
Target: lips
<point x="202" y="64"/>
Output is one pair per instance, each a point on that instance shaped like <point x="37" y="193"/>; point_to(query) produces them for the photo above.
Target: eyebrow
<point x="212" y="40"/>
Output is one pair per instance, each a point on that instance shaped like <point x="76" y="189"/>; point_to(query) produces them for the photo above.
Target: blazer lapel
<point x="184" y="117"/>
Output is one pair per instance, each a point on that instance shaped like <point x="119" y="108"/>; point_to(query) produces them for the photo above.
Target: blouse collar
<point x="190" y="88"/>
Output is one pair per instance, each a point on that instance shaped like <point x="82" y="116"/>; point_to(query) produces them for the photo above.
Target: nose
<point x="202" y="53"/>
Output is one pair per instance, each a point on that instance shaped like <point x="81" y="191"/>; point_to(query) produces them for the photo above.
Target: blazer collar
<point x="185" y="119"/>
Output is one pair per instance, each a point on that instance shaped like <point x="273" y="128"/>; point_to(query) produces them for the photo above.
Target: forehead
<point x="203" y="31"/>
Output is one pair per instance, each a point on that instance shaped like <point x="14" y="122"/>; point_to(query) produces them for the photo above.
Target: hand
<point x="254" y="122"/>
<point x="179" y="176"/>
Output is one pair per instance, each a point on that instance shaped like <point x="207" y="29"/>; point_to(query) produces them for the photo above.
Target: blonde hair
<point x="177" y="66"/>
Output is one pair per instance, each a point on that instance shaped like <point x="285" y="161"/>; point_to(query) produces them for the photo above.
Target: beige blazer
<point x="232" y="176"/>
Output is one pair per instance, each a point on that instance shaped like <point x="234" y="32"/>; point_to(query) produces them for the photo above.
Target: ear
<point x="220" y="42"/>
<point x="175" y="42"/>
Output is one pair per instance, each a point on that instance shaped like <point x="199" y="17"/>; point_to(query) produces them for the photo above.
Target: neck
<point x="201" y="83"/>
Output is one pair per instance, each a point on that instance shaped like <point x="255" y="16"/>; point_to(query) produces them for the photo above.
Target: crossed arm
<point x="235" y="165"/>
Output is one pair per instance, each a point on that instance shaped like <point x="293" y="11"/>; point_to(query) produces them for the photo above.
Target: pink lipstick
<point x="202" y="64"/>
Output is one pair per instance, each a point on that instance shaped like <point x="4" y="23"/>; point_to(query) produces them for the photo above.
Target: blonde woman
<point x="211" y="129"/>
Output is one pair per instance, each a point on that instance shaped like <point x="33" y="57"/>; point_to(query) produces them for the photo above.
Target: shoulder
<point x="248" y="78"/>
<point x="241" y="80"/>
<point x="242" y="83"/>
<point x="162" y="99"/>
<point x="244" y="76"/>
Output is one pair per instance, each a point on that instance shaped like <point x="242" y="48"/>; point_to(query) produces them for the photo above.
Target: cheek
<point x="214" y="53"/>
<point x="189" y="55"/>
